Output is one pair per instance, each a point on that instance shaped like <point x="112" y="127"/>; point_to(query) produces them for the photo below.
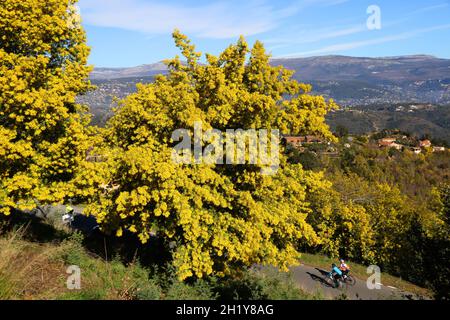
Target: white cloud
<point x="358" y="44"/>
<point x="307" y="35"/>
<point x="430" y="8"/>
<point x="313" y="35"/>
<point x="219" y="19"/>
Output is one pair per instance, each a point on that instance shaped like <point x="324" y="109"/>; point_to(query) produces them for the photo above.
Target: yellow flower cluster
<point x="219" y="217"/>
<point x="43" y="136"/>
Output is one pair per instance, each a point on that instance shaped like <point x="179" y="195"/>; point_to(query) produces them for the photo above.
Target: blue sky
<point x="125" y="33"/>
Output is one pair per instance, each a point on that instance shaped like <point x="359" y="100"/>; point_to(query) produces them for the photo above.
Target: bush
<point x="200" y="290"/>
<point x="150" y="291"/>
<point x="267" y="284"/>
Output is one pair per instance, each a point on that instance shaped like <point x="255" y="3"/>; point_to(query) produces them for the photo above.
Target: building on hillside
<point x="387" y="140"/>
<point x="396" y="146"/>
<point x="425" y="143"/>
<point x="438" y="149"/>
<point x="389" y="143"/>
<point x="295" y="142"/>
<point x="384" y="143"/>
<point x="416" y="150"/>
<point x="299" y="141"/>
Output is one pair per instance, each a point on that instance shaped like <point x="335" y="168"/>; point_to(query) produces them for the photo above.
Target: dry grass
<point x="31" y="270"/>
<point x="35" y="271"/>
<point x="27" y="270"/>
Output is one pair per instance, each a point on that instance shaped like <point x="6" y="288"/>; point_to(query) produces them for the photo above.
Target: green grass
<point x="34" y="270"/>
<point x="360" y="272"/>
<point x="34" y="267"/>
<point x="31" y="270"/>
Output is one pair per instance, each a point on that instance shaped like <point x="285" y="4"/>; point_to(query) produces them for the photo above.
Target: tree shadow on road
<point x="41" y="228"/>
<point x="320" y="278"/>
<point x="323" y="272"/>
<point x="37" y="229"/>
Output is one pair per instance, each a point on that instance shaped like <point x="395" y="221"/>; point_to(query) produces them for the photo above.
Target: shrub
<point x="267" y="284"/>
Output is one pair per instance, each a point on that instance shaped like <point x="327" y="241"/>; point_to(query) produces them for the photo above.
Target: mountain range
<point x="146" y="70"/>
<point x="355" y="82"/>
<point x="350" y="81"/>
<point x="325" y="68"/>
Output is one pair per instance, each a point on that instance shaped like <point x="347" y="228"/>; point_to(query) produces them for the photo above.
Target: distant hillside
<point x="364" y="81"/>
<point x="354" y="82"/>
<point x="350" y="81"/>
<point x="418" y="120"/>
<point x="372" y="70"/>
<point x="147" y="70"/>
<point x="326" y="68"/>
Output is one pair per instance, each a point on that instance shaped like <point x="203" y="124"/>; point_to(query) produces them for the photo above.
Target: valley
<point x="374" y="93"/>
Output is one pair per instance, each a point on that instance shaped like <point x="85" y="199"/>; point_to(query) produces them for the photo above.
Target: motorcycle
<point x="335" y="280"/>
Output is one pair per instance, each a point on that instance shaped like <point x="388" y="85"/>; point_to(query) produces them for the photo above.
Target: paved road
<point x="81" y="223"/>
<point x="311" y="280"/>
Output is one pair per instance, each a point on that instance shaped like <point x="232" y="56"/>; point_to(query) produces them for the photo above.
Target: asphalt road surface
<point x="311" y="280"/>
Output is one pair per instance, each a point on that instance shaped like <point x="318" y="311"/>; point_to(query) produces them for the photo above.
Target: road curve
<point x="311" y="280"/>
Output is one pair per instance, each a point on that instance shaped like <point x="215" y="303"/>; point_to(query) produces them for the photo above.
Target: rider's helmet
<point x="341" y="260"/>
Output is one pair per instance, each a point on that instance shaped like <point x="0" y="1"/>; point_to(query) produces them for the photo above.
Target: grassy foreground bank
<point x="35" y="255"/>
<point x="34" y="270"/>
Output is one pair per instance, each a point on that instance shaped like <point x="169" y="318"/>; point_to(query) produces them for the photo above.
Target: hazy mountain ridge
<point x="354" y="81"/>
<point x="351" y="81"/>
<point x="325" y="68"/>
<point x="146" y="70"/>
<point x="388" y="69"/>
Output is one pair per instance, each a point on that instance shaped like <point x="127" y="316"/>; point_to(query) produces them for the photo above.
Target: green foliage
<point x="75" y="254"/>
<point x="341" y="131"/>
<point x="267" y="284"/>
<point x="443" y="202"/>
<point x="200" y="290"/>
<point x="308" y="159"/>
<point x="385" y="209"/>
<point x="149" y="291"/>
<point x="415" y="175"/>
<point x="106" y="279"/>
<point x="434" y="243"/>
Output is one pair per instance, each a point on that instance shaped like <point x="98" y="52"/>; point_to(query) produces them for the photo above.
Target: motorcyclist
<point x="344" y="268"/>
<point x="335" y="271"/>
<point x="69" y="216"/>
